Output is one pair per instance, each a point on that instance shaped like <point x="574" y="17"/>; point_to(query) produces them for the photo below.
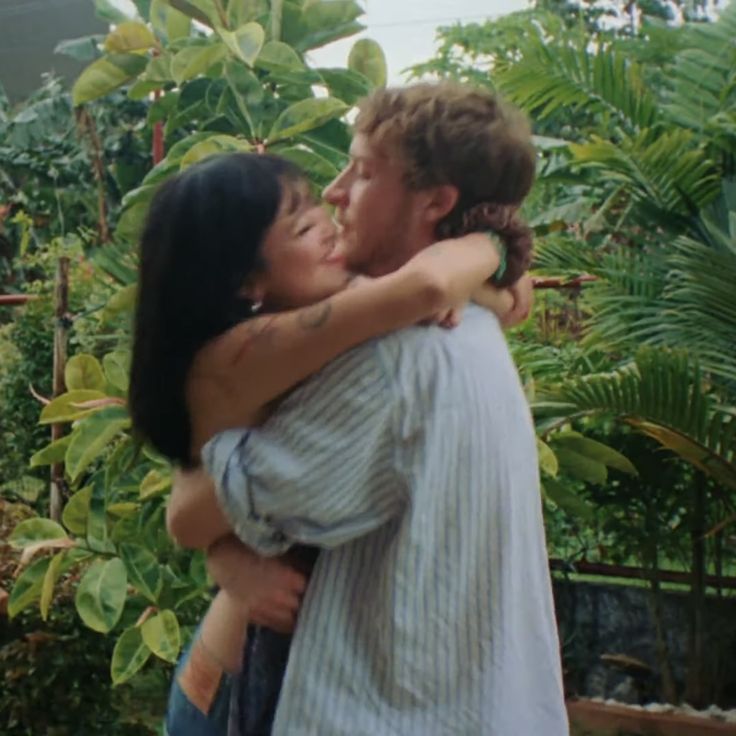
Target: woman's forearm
<point x="223" y="633"/>
<point x="289" y="347"/>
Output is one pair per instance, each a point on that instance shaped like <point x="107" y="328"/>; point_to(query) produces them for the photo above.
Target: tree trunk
<point x="656" y="609"/>
<point x="61" y="304"/>
<point x="696" y="690"/>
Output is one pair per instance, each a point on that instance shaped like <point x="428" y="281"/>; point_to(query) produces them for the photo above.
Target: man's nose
<point x="334" y="193"/>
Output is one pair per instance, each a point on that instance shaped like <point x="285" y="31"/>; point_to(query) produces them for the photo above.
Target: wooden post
<point x="61" y="328"/>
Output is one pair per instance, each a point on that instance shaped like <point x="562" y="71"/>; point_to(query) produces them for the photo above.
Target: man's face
<point x="375" y="210"/>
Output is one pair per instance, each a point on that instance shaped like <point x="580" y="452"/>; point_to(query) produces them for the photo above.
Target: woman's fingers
<point x="279" y="620"/>
<point x="278" y="612"/>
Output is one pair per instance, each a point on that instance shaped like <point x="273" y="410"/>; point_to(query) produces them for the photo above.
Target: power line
<point x="431" y="21"/>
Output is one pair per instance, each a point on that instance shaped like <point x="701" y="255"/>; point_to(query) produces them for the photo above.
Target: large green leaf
<point x="277" y="55"/>
<point x="547" y="459"/>
<point x="105" y="75"/>
<point x="76" y="511"/>
<point x="246" y="42"/>
<point x="161" y="635"/>
<point x="69" y="406"/>
<point x="110" y="11"/>
<point x="97" y="537"/>
<point x="594" y="450"/>
<point x="367" y="58"/>
<point x="28" y="586"/>
<point x="92" y="436"/>
<point x="566" y="499"/>
<point x="155" y="483"/>
<point x="32" y="531"/>
<point x="144" y="571"/>
<point x="320" y="23"/>
<point x="54" y="452"/>
<point x="319" y="168"/>
<point x="53" y="572"/>
<point x="129" y="655"/>
<point x="117" y="369"/>
<point x="581" y="466"/>
<point x="210" y="146"/>
<point x="84" y="372"/>
<point x="82" y="49"/>
<point x="101" y="594"/>
<point x="129" y="36"/>
<point x="304" y="116"/>
<point x="192" y="61"/>
<point x="168" y="22"/>
<point x="345" y="84"/>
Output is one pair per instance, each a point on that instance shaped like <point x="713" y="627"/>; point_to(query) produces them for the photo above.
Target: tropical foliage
<point x="224" y="76"/>
<point x="636" y="190"/>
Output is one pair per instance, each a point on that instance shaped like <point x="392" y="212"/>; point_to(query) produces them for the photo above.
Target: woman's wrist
<point x="500" y="247"/>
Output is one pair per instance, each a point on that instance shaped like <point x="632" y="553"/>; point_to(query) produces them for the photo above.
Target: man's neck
<point x="397" y="256"/>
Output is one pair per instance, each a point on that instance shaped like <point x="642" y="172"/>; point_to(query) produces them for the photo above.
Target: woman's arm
<point x="511" y="305"/>
<point x="263" y="358"/>
<point x="258" y="361"/>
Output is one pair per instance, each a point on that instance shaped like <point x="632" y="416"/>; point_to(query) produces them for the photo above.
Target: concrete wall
<point x="29" y="32"/>
<point x="598" y="619"/>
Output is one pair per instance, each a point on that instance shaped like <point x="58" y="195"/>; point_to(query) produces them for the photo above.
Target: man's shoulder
<point x="478" y="328"/>
<point x="378" y="360"/>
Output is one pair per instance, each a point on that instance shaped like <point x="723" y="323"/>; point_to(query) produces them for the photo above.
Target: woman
<point x="243" y="295"/>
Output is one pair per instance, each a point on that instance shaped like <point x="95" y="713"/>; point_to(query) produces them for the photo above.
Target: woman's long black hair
<point x="201" y="241"/>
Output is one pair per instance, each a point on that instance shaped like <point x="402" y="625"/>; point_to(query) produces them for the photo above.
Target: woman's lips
<point x="336" y="259"/>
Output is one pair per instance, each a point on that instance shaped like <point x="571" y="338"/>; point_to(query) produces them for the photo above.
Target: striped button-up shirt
<point x="412" y="461"/>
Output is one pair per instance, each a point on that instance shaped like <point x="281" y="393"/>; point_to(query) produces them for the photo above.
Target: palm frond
<point x="662" y="394"/>
<point x="703" y="76"/>
<point x="668" y="175"/>
<point x="553" y="76"/>
<point x="626" y="303"/>
<point x="701" y="307"/>
<point x="561" y="254"/>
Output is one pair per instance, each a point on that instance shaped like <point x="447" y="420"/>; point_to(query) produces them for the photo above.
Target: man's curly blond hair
<point x="446" y="133"/>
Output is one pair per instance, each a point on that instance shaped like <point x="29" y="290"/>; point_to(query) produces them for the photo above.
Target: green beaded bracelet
<point x="501" y="249"/>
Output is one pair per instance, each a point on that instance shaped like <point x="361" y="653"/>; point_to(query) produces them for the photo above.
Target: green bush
<point x="26" y="356"/>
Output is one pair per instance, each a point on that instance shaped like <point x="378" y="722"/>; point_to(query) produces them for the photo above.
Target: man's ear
<point x="440" y="201"/>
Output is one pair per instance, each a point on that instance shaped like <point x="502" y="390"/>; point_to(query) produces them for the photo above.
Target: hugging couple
<point x="358" y="457"/>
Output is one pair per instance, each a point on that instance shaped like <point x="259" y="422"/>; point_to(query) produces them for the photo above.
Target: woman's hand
<point x="511" y="305"/>
<point x="269" y="589"/>
<point x="454" y="269"/>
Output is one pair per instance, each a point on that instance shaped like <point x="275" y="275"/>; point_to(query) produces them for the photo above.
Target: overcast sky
<point x="406" y="28"/>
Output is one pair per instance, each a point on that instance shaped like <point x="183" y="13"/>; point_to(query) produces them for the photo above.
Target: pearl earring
<point x="255" y="307"/>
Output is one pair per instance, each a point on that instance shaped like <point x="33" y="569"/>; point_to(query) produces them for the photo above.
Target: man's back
<point x="440" y="620"/>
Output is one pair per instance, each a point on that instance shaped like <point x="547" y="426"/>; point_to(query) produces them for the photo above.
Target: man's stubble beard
<point x="389" y="252"/>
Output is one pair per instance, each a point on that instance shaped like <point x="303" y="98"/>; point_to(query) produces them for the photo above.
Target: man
<point x="411" y="461"/>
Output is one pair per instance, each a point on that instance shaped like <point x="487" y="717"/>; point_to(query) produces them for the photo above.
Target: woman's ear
<point x="254" y="290"/>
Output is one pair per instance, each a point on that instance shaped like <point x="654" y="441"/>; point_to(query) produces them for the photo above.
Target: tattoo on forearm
<point x="262" y="329"/>
<point x="315" y="317"/>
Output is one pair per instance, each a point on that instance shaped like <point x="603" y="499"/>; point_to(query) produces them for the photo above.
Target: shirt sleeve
<point x="321" y="471"/>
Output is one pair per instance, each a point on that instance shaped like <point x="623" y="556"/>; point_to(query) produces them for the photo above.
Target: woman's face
<point x="303" y="264"/>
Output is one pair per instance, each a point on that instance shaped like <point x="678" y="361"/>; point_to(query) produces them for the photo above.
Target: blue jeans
<point x="233" y="705"/>
<point x="205" y="701"/>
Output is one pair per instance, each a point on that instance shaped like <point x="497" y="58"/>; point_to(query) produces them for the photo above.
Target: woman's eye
<point x="304" y="229"/>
